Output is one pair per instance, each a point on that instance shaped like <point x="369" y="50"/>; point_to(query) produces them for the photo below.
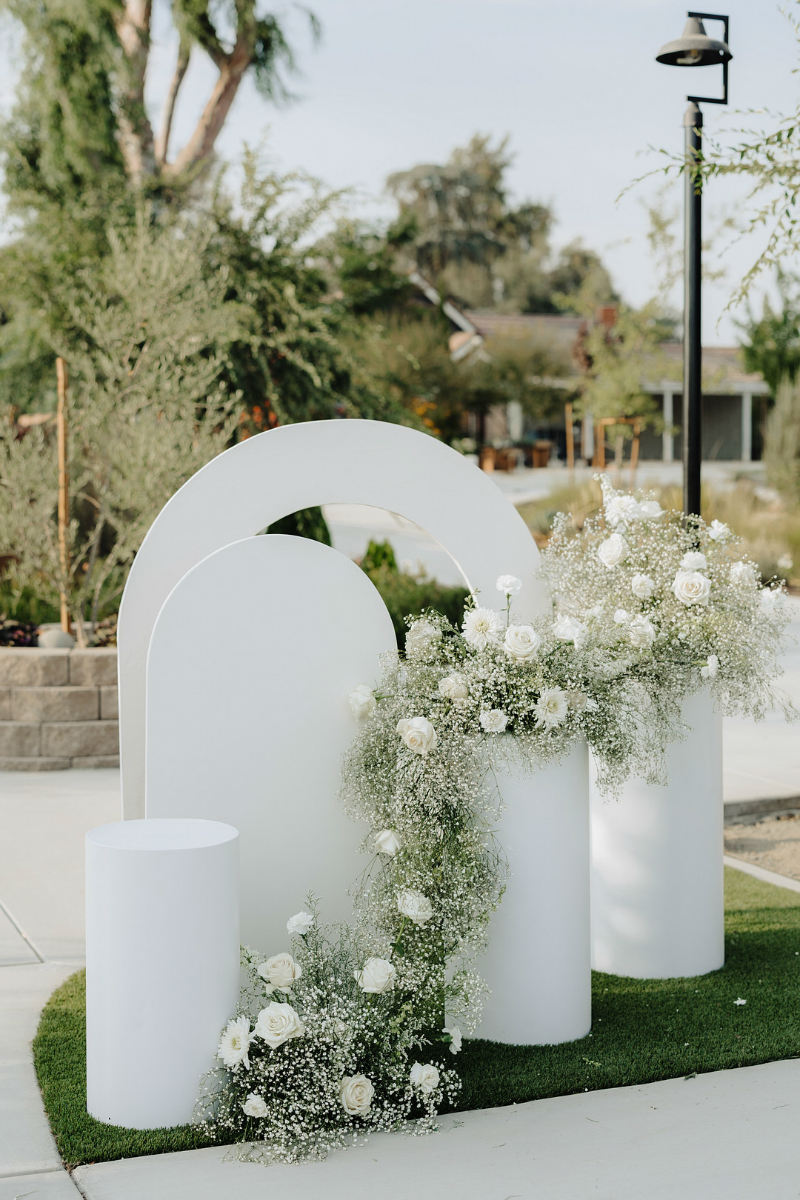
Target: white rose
<point x="355" y="1093"/>
<point x="509" y="585"/>
<point x="254" y="1106"/>
<point x="621" y="508"/>
<point x="711" y="668"/>
<point x="417" y="733"/>
<point x="414" y="905"/>
<point x="650" y="510"/>
<point x="551" y="707"/>
<point x="521" y="642"/>
<point x="641" y="633"/>
<point x="493" y="720"/>
<point x="482" y="627"/>
<point x="613" y="550"/>
<point x="455" y="1039"/>
<point x="300" y="924"/>
<point x="362" y="702"/>
<point x="424" y="1077"/>
<point x="690" y="587"/>
<point x="693" y="560"/>
<point x="387" y="842"/>
<point x="376" y="976"/>
<point x="718" y="531"/>
<point x="453" y="687"/>
<point x="421" y="637"/>
<point x="621" y="615"/>
<point x="281" y="970"/>
<point x="742" y="574"/>
<point x="277" y="1023"/>
<point x="569" y="629"/>
<point x="642" y="587"/>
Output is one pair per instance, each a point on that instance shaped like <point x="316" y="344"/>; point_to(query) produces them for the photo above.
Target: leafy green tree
<point x="772" y="345"/>
<point x="472" y="243"/>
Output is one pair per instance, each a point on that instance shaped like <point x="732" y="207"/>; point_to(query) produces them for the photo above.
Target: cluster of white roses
<point x="678" y="596"/>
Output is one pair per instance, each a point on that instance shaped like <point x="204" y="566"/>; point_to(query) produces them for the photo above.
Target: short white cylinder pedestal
<point x="538" y="961"/>
<point x="657" y="873"/>
<point x="162" y="964"/>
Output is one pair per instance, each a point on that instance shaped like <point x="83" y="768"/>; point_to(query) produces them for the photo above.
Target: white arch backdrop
<point x="296" y="466"/>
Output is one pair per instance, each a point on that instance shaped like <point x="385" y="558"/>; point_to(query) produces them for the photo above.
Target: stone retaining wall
<point x="58" y="708"/>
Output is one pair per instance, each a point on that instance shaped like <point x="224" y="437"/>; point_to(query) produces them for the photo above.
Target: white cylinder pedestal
<point x="162" y="964"/>
<point x="538" y="961"/>
<point x="657" y="872"/>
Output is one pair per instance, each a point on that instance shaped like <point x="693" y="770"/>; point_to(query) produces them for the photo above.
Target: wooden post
<point x="63" y="485"/>
<point x="570" y="435"/>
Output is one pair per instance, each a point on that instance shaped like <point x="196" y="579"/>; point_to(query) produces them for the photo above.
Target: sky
<point x="573" y="83"/>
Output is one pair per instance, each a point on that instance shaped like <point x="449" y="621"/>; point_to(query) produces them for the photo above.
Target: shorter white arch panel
<point x="296" y="466"/>
<point x="251" y="662"/>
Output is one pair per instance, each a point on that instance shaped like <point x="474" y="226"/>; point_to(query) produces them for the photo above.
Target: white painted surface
<point x="162" y="964"/>
<point x="729" y="1135"/>
<point x="252" y="727"/>
<point x="277" y="472"/>
<point x="538" y="961"/>
<point x="657" y="880"/>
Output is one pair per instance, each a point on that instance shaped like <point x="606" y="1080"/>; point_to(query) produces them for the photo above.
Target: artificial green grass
<point x="643" y="1030"/>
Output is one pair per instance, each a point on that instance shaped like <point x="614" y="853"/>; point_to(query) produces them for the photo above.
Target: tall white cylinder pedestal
<point x="538" y="961"/>
<point x="657" y="874"/>
<point x="162" y="964"/>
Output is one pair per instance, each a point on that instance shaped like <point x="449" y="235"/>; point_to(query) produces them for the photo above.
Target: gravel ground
<point x="772" y="843"/>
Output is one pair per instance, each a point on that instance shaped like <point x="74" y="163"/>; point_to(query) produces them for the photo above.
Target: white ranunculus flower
<point x="621" y="615"/>
<point x="376" y="976"/>
<point x="417" y="733"/>
<point x="387" y="842"/>
<point x="641" y="633"/>
<point x="642" y="587"/>
<point x="650" y="510"/>
<point x="455" y="1039"/>
<point x="235" y="1043"/>
<point x="551" y="707"/>
<point x="694" y="560"/>
<point x="613" y="550"/>
<point x="711" y="668"/>
<point x="493" y="720"/>
<point x="281" y="970"/>
<point x="362" y="702"/>
<point x="414" y="905"/>
<point x="742" y="574"/>
<point x="300" y="924"/>
<point x="454" y="687"/>
<point x="521" y="642"/>
<point x="771" y="598"/>
<point x="255" y="1106"/>
<point x="355" y="1094"/>
<point x="421" y="637"/>
<point x="277" y="1023"/>
<point x="718" y="531"/>
<point x="509" y="585"/>
<point x="620" y="509"/>
<point x="482" y="627"/>
<point x="424" y="1077"/>
<point x="569" y="629"/>
<point x="690" y="587"/>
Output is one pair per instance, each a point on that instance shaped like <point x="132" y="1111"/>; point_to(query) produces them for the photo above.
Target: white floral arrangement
<point x="677" y="596"/>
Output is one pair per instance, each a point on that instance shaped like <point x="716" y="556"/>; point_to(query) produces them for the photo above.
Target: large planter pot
<point x="538" y="961"/>
<point x="657" y="877"/>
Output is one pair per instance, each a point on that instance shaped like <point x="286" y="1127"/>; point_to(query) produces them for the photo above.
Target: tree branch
<point x="162" y="141"/>
<point x="135" y="133"/>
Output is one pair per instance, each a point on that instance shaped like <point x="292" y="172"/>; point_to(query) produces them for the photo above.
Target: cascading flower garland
<point x="350" y="1030"/>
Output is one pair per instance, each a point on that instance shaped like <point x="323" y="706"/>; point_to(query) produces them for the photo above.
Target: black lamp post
<point x="694" y="48"/>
